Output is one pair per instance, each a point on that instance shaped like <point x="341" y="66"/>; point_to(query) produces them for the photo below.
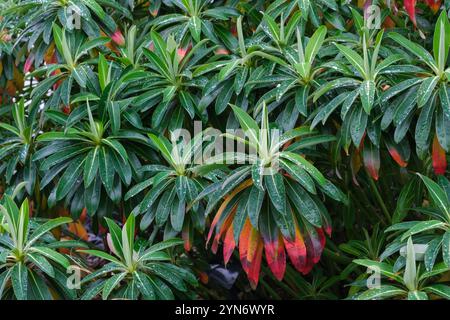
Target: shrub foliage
<point x="121" y="156"/>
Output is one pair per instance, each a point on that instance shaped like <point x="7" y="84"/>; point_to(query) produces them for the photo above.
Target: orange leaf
<point x="228" y="244"/>
<point x="241" y="187"/>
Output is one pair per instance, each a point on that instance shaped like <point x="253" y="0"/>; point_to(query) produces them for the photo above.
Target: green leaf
<point x="417" y="295"/>
<point x="437" y="194"/>
<point x="161" y="246"/>
<point x="37" y="287"/>
<point x="195" y="26"/>
<point x="446" y="248"/>
<point x="69" y="178"/>
<point x="52" y="255"/>
<point x="305" y="165"/>
<point x="423" y="226"/>
<point x="299" y="175"/>
<point x="19" y="280"/>
<point x="315" y="43"/>
<point x="255" y="202"/>
<point x="144" y="285"/>
<point x="103" y="72"/>
<point x="42" y="263"/>
<point x="355" y="60"/>
<point x="432" y="252"/>
<point x="46" y="227"/>
<point x="416" y="49"/>
<point x="409" y="276"/>
<point x="444" y="96"/>
<point x="304" y="204"/>
<point x="165" y="206"/>
<point x="247" y="123"/>
<point x="106" y="167"/>
<point x="301" y="100"/>
<point x="102" y="255"/>
<point x="271" y="28"/>
<point x="91" y="166"/>
<point x="275" y="187"/>
<point x="384" y="268"/>
<point x="111" y="284"/>
<point x="441" y="40"/>
<point x="367" y="94"/>
<point x="426" y="90"/>
<point x="358" y="126"/>
<point x="441" y="290"/>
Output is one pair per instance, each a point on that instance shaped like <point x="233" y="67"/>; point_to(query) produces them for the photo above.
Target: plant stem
<point x="379" y="199"/>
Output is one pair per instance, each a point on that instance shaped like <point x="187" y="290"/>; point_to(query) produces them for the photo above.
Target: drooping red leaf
<point x="181" y="52"/>
<point x="395" y="152"/>
<point x="186" y="235"/>
<point x="315" y="242"/>
<point x="255" y="264"/>
<point x="224" y="204"/>
<point x="296" y="250"/>
<point x="250" y="252"/>
<point x="243" y="244"/>
<point x="228" y="244"/>
<point x="276" y="257"/>
<point x="28" y="63"/>
<point x="371" y="157"/>
<point x="439" y="158"/>
<point x="118" y="38"/>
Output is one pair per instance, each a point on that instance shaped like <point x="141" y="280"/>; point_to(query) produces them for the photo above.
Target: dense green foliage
<point x="339" y="182"/>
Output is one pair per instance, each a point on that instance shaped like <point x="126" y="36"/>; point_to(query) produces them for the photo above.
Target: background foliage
<point x="91" y="178"/>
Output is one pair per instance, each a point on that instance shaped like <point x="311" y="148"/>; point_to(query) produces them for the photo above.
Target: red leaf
<point x="118" y="38"/>
<point x="243" y="244"/>
<point x="315" y="242"/>
<point x="219" y="213"/>
<point x="255" y="264"/>
<point x="223" y="229"/>
<point x="371" y="157"/>
<point x="186" y="235"/>
<point x="410" y="7"/>
<point x="439" y="158"/>
<point x="296" y="250"/>
<point x="395" y="154"/>
<point x="250" y="252"/>
<point x="228" y="244"/>
<point x="276" y="257"/>
<point x="28" y="63"/>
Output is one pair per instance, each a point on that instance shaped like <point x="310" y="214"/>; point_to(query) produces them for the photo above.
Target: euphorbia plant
<point x="71" y="68"/>
<point x="17" y="147"/>
<point x="35" y="18"/>
<point x="273" y="202"/>
<point x="298" y="77"/>
<point x="30" y="267"/>
<point x="237" y="73"/>
<point x="85" y="160"/>
<point x="174" y="187"/>
<point x="427" y="94"/>
<point x="435" y="233"/>
<point x="173" y="80"/>
<point x="198" y="17"/>
<point x="136" y="271"/>
<point x="416" y="283"/>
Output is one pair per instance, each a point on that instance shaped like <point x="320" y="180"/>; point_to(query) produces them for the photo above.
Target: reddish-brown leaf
<point x="439" y="158"/>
